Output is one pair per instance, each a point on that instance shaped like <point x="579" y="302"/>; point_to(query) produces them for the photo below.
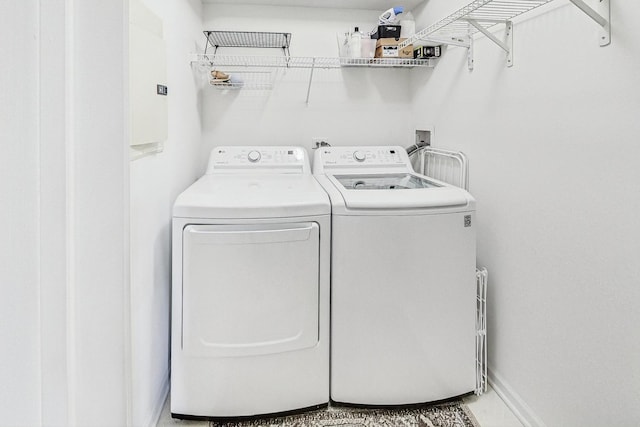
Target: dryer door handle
<point x="243" y="235"/>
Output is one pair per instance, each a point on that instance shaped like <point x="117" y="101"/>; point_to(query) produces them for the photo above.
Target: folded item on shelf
<point x="219" y="76"/>
<point x="231" y="82"/>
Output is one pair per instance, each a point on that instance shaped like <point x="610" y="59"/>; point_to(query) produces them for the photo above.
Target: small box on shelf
<point x="388" y="48"/>
<point x="423" y="52"/>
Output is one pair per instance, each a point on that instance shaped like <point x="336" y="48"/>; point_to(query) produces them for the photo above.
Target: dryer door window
<point x="250" y="290"/>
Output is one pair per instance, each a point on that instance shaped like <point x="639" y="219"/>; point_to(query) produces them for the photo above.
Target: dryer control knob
<point x="253" y="156"/>
<point x="359" y="156"/>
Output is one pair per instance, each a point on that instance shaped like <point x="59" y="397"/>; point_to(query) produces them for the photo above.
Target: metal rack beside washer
<point x="445" y="165"/>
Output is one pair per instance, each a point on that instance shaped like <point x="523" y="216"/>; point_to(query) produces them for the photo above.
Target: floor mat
<point x="453" y="414"/>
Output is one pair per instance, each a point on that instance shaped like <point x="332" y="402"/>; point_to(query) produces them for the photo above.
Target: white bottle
<point x="407" y="26"/>
<point x="355" y="43"/>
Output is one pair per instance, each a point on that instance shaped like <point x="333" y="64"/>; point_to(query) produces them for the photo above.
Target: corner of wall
<point x="159" y="400"/>
<point x="514" y="402"/>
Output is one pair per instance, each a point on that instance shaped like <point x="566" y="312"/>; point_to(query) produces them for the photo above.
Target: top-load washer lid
<point x="379" y="179"/>
<point x="254" y="182"/>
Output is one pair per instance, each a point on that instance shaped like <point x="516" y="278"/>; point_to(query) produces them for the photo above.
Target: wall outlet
<point x="319" y="141"/>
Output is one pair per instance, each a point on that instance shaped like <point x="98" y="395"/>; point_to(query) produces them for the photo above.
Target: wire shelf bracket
<point x="601" y="15"/>
<point x="506" y="45"/>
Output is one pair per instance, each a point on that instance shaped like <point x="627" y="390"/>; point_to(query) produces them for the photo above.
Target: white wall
<point x="155" y="183"/>
<point x="553" y="149"/>
<point x="64" y="252"/>
<point x="98" y="204"/>
<point x="347" y="106"/>
<point x="19" y="186"/>
<point x="95" y="196"/>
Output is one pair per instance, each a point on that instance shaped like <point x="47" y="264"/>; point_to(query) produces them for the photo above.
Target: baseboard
<point x="160" y="399"/>
<point x="514" y="402"/>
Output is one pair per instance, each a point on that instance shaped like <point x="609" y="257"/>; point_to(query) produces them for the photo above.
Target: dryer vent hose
<point x="413" y="148"/>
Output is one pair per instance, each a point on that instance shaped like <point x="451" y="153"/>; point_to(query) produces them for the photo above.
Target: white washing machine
<point x="250" y="294"/>
<point x="403" y="294"/>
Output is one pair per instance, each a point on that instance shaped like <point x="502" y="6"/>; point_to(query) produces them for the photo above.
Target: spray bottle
<point x="390" y="16"/>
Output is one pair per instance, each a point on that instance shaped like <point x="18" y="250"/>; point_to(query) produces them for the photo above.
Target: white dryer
<point x="403" y="294"/>
<point x="250" y="293"/>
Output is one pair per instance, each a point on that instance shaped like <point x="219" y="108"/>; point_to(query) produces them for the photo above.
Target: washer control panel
<point x="345" y="157"/>
<point x="243" y="158"/>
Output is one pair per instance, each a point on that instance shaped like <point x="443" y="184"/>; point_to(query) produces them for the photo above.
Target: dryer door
<point x="250" y="289"/>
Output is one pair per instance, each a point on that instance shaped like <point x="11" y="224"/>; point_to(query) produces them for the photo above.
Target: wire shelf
<point x="243" y="79"/>
<point x="486" y="13"/>
<point x="220" y="61"/>
<point x="241" y="85"/>
<point x="386" y="62"/>
<point x="218" y="39"/>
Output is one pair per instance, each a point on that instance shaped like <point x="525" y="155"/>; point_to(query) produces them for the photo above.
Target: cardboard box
<point x="388" y="48"/>
<point x="422" y="52"/>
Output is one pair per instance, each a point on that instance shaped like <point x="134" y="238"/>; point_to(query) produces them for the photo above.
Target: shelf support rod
<point x="206" y="45"/>
<point x="470" y="59"/>
<point x="603" y="21"/>
<point x="313" y="66"/>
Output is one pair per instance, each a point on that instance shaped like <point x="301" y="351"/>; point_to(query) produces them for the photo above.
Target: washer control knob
<point x="359" y="156"/>
<point x="253" y="156"/>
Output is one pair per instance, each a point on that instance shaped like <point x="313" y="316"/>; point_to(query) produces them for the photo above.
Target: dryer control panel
<point x="384" y="157"/>
<point x="274" y="159"/>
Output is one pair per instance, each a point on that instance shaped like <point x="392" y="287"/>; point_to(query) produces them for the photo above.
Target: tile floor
<point x="489" y="410"/>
